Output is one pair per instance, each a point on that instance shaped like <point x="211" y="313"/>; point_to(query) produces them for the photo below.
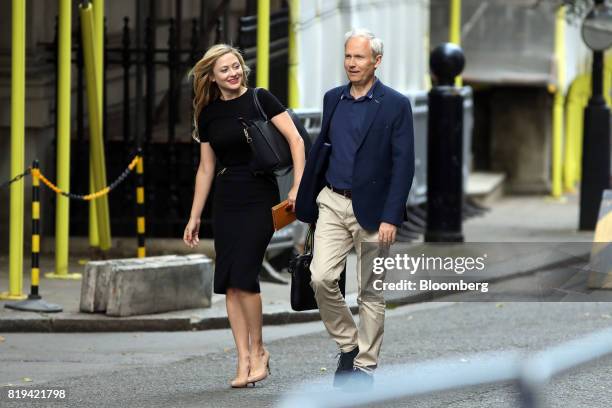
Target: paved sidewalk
<point x="511" y="219"/>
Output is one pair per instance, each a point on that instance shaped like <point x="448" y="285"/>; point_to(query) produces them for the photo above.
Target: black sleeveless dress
<point x="242" y="201"/>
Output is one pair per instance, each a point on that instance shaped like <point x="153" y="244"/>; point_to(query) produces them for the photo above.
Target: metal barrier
<point x="530" y="374"/>
<point x="418" y="192"/>
<point x="34" y="302"/>
<point x="136" y="162"/>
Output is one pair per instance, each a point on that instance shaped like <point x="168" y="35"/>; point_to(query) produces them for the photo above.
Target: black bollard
<point x="596" y="141"/>
<point x="445" y="147"/>
<point x="595" y="149"/>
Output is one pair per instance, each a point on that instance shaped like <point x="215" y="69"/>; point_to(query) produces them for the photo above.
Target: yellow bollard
<point x="62" y="214"/>
<point x="18" y="54"/>
<point x="263" y="43"/>
<point x="293" y="88"/>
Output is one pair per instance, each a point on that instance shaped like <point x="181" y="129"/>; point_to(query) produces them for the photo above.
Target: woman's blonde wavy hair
<point x="204" y="88"/>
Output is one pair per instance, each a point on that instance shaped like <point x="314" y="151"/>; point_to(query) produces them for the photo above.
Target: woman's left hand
<point x="292" y="197"/>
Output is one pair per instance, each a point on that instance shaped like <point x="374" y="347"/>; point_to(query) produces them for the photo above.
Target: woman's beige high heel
<point x="261" y="374"/>
<point x="241" y="382"/>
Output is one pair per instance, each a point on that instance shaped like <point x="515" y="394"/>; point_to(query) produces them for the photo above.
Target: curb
<point x="75" y="322"/>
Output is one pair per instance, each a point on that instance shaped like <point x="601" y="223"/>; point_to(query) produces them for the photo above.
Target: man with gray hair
<point x="355" y="185"/>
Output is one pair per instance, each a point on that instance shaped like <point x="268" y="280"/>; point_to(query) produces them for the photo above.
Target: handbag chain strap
<point x="249" y="139"/>
<point x="261" y="112"/>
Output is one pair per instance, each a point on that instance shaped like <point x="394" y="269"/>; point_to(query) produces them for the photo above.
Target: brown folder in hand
<point x="282" y="215"/>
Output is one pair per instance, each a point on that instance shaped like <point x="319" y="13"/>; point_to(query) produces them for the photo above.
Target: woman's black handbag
<point x="302" y="295"/>
<point x="270" y="149"/>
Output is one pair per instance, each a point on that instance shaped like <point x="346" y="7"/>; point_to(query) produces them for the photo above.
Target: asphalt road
<point x="193" y="369"/>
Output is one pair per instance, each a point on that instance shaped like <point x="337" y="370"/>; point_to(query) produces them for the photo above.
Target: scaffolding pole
<point x="62" y="214"/>
<point x="16" y="223"/>
<point x="263" y="43"/>
<point x="95" y="122"/>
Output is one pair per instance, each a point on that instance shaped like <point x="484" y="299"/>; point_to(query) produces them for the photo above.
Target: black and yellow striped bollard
<point x="34" y="302"/>
<point x="140" y="207"/>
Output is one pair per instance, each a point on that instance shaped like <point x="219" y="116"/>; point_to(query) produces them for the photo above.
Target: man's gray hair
<point x="375" y="43"/>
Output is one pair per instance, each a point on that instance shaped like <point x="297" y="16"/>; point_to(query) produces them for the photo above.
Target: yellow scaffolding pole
<point x="98" y="16"/>
<point x="98" y="12"/>
<point x="263" y="43"/>
<point x="577" y="99"/>
<point x="18" y="53"/>
<point x="294" y="90"/>
<point x="95" y="124"/>
<point x="454" y="30"/>
<point x="94" y="238"/>
<point x="558" y="106"/>
<point x="62" y="214"/>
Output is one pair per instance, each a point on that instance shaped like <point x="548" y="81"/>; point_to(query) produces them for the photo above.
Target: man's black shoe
<point x="358" y="380"/>
<point x="345" y="366"/>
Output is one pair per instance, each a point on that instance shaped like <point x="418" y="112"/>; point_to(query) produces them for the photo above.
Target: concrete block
<point x="484" y="188"/>
<point x="88" y="287"/>
<point x="183" y="282"/>
<point x="94" y="286"/>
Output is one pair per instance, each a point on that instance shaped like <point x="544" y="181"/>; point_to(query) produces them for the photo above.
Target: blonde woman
<point x="242" y="219"/>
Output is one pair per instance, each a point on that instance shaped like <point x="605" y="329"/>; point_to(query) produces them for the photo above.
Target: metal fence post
<point x="126" y="80"/>
<point x="179" y="61"/>
<point x="173" y="57"/>
<point x="193" y="58"/>
<point x="104" y="88"/>
<point x="150" y="78"/>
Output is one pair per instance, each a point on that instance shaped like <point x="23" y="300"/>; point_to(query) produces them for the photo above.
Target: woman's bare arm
<point x="285" y="125"/>
<point x="204" y="178"/>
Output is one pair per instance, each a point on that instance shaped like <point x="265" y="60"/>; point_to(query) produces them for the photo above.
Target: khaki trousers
<point x="336" y="233"/>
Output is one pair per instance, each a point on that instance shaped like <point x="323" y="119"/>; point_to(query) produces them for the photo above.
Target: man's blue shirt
<point x="346" y="125"/>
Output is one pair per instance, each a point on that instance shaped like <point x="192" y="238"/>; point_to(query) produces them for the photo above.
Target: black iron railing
<point x="170" y="156"/>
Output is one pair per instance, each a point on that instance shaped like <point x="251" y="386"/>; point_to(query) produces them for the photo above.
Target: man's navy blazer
<point x="384" y="162"/>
